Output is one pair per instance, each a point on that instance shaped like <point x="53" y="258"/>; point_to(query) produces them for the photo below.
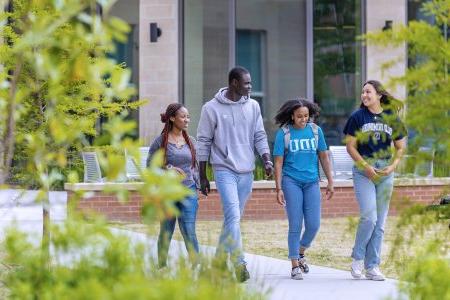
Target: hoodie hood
<point x="229" y="132"/>
<point x="235" y="108"/>
<point x="220" y="96"/>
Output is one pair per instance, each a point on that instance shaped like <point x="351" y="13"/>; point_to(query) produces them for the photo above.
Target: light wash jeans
<point x="234" y="190"/>
<point x="186" y="221"/>
<point x="302" y="204"/>
<point x="373" y="199"/>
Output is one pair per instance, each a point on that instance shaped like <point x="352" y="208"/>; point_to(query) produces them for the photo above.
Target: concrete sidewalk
<point x="267" y="274"/>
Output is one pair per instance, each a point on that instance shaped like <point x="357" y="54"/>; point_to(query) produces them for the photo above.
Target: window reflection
<point x="337" y="61"/>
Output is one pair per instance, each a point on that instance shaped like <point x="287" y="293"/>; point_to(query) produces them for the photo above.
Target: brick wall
<point x="262" y="204"/>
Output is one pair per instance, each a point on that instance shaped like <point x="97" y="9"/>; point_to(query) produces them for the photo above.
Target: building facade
<point x="293" y="48"/>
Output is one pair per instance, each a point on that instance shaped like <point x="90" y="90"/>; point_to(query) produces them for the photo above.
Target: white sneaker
<point x="357" y="268"/>
<point x="375" y="274"/>
<point x="296" y="274"/>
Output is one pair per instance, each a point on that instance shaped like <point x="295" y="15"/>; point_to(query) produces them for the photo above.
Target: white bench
<point x="131" y="167"/>
<point x="342" y="162"/>
<point x="92" y="172"/>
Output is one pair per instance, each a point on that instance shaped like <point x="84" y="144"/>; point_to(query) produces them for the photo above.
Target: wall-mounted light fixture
<point x="387" y="25"/>
<point x="155" y="32"/>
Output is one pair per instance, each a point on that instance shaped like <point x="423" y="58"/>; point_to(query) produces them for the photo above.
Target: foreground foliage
<point x="56" y="81"/>
<point x="421" y="249"/>
<point x="89" y="262"/>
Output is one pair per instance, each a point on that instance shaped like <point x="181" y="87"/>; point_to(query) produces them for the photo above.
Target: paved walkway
<point x="268" y="274"/>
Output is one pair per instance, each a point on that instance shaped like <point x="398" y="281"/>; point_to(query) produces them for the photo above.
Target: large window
<point x="206" y="53"/>
<point x="250" y="52"/>
<point x="337" y="63"/>
<point x="271" y="43"/>
<point x="282" y="48"/>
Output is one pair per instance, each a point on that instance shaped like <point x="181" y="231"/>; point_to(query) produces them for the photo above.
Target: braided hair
<point x="171" y="111"/>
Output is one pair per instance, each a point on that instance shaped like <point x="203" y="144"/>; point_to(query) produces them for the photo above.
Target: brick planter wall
<point x="262" y="203"/>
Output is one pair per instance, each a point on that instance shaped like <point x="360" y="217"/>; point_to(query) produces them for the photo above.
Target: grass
<point x="332" y="246"/>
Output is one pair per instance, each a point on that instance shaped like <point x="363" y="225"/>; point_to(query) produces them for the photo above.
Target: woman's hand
<point x="179" y="171"/>
<point x="280" y="198"/>
<point x="330" y="191"/>
<point x="386" y="170"/>
<point x="371" y="172"/>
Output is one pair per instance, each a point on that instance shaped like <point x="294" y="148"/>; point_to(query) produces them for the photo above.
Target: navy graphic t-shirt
<point x="377" y="132"/>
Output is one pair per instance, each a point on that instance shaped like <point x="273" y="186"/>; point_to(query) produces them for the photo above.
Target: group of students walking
<point x="231" y="129"/>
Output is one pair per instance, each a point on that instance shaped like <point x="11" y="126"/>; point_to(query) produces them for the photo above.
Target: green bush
<point x="88" y="262"/>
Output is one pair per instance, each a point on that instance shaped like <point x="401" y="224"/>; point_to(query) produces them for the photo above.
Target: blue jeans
<point x="302" y="204"/>
<point x="234" y="190"/>
<point x="186" y="221"/>
<point x="373" y="199"/>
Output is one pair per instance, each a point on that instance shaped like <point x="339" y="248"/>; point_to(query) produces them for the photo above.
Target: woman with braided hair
<point x="179" y="155"/>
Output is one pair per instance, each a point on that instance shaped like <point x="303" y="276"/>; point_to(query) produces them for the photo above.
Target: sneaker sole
<point x="375" y="278"/>
<point x="296" y="278"/>
<point x="355" y="276"/>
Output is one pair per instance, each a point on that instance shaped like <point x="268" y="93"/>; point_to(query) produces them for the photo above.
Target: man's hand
<point x="204" y="186"/>
<point x="268" y="165"/>
<point x="204" y="182"/>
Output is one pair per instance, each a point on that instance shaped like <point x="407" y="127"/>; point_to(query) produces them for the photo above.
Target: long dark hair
<point x="387" y="101"/>
<point x="171" y="111"/>
<point x="284" y="114"/>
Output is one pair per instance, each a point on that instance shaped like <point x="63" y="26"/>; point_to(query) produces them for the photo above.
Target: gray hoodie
<point x="228" y="133"/>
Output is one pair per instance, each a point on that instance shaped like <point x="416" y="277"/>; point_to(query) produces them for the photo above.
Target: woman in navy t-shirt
<point x="370" y="132"/>
<point x="298" y="147"/>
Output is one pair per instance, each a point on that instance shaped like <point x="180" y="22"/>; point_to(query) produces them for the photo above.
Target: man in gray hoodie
<point x="229" y="131"/>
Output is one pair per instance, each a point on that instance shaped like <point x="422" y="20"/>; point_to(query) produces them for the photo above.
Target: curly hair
<point x="171" y="111"/>
<point x="284" y="114"/>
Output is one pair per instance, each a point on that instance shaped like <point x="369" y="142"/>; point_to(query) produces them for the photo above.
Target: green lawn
<point x="332" y="246"/>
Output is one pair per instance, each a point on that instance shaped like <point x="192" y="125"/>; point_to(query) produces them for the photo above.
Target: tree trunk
<point x="8" y="139"/>
<point x="46" y="229"/>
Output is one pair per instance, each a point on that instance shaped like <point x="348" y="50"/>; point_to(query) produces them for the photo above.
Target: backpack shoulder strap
<point x="315" y="130"/>
<point x="287" y="137"/>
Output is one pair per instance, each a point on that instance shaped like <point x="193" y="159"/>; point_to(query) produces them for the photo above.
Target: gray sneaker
<point x="375" y="274"/>
<point x="303" y="266"/>
<point x="296" y="274"/>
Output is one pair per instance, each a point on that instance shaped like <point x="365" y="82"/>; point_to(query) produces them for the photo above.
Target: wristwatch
<point x="169" y="166"/>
